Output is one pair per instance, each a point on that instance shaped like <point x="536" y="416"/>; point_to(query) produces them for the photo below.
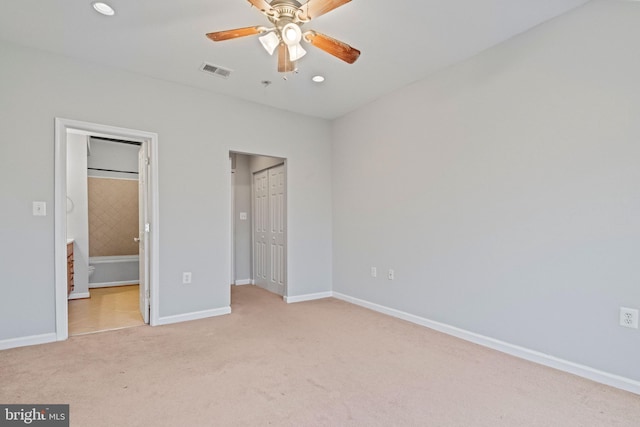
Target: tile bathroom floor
<point x="108" y="308"/>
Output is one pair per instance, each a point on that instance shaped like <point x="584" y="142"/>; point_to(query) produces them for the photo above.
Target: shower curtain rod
<point x="111" y="170"/>
<point x="116" y="140"/>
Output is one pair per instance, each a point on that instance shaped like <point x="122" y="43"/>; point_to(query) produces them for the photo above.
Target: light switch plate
<point x="243" y="216"/>
<point x="39" y="208"/>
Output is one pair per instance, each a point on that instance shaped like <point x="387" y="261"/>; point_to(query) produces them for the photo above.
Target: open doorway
<point x="98" y="266"/>
<point x="259" y="222"/>
<point x="103" y="197"/>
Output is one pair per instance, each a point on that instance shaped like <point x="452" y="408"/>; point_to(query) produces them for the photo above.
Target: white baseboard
<point x="78" y="295"/>
<point x="596" y="375"/>
<point x="307" y="297"/>
<point x="167" y="320"/>
<point x="111" y="284"/>
<point x="243" y="282"/>
<point x="25" y="341"/>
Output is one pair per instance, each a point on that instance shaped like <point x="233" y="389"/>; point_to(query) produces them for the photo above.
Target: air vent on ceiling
<point x="215" y="70"/>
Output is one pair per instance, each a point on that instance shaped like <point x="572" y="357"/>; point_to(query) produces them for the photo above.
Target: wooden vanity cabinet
<point x="69" y="267"/>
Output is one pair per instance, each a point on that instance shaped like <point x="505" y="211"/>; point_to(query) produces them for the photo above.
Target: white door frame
<point x="232" y="271"/>
<point x="60" y="213"/>
<point x="143" y="231"/>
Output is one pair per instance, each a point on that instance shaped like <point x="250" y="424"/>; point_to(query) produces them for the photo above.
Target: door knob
<point x="136" y="239"/>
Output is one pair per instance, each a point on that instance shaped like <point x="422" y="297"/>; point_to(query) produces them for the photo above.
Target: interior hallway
<point x="108" y="308"/>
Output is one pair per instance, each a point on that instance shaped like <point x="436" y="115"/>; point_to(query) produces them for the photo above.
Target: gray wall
<point x="196" y="129"/>
<point x="505" y="192"/>
<point x="243" y="228"/>
<point x="114" y="156"/>
<point x="259" y="163"/>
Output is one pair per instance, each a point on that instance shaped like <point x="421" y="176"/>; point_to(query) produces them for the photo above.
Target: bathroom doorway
<point x="103" y="184"/>
<point x="106" y="203"/>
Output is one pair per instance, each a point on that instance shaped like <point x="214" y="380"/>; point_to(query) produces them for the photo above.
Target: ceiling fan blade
<point x="261" y="5"/>
<point x="314" y="8"/>
<point x="332" y="46"/>
<point x="234" y="34"/>
<point x="285" y="65"/>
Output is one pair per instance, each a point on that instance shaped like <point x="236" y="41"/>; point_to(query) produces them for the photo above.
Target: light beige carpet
<point x="319" y="363"/>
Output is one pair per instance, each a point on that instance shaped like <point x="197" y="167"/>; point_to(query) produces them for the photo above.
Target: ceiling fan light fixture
<point x="103" y="8"/>
<point x="270" y="42"/>
<point x="291" y="34"/>
<point x="296" y="52"/>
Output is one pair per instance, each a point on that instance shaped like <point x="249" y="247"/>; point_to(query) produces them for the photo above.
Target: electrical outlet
<point x="374" y="272"/>
<point x="391" y="275"/>
<point x="629" y="317"/>
<point x="186" y="278"/>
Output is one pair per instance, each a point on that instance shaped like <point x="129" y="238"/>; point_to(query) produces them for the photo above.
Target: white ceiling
<point x="401" y="41"/>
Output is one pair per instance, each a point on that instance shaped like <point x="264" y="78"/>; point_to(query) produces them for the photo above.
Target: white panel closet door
<point x="276" y="230"/>
<point x="260" y="229"/>
<point x="269" y="236"/>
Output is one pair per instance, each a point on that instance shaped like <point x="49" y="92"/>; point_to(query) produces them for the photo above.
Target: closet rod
<point x="111" y="170"/>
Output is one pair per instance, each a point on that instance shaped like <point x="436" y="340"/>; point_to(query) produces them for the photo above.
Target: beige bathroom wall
<point x="113" y="216"/>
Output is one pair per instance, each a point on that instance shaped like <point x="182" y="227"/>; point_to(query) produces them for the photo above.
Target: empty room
<point x="348" y="212"/>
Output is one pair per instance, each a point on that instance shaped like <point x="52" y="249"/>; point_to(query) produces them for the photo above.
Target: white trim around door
<point x="60" y="230"/>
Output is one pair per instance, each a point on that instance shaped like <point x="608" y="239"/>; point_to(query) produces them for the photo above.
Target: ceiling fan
<point x="288" y="16"/>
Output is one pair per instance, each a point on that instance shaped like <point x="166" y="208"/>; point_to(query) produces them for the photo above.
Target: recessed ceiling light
<point x="103" y="8"/>
<point x="317" y="79"/>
